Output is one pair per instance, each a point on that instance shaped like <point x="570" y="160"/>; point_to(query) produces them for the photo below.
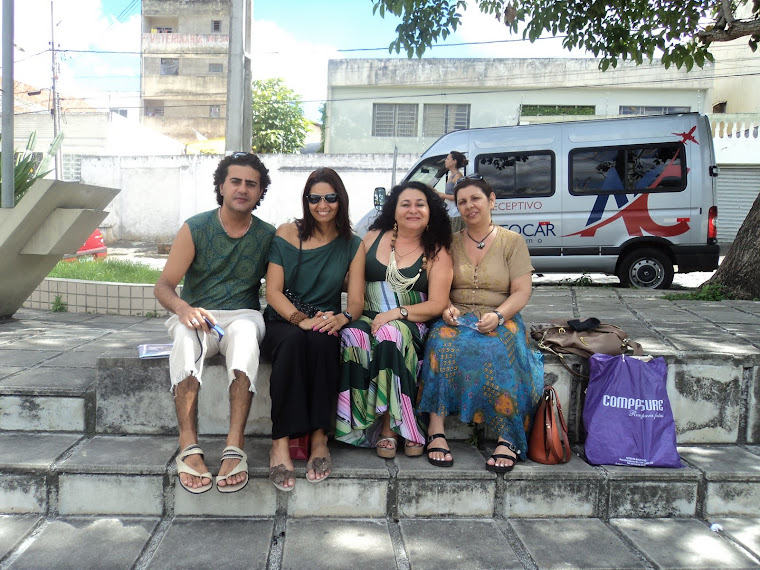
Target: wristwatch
<point x="348" y="315"/>
<point x="501" y="317"/>
<point x="404" y="313"/>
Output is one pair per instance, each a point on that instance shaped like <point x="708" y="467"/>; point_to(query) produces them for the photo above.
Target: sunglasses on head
<point x="239" y="154"/>
<point x="469" y="177"/>
<point x="317" y="198"/>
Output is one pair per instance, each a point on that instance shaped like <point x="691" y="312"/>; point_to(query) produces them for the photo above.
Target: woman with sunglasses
<point x="308" y="263"/>
<point x="408" y="275"/>
<point x="477" y="360"/>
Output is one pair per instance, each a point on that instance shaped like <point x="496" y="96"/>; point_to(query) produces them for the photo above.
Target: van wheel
<point x="646" y="269"/>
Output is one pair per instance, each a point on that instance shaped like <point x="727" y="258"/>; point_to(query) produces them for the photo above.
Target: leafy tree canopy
<point x="675" y="30"/>
<point x="279" y="125"/>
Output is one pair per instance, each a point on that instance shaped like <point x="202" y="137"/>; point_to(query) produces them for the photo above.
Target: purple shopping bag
<point x="627" y="413"/>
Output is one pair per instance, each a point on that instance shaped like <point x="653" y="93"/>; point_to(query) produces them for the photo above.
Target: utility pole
<point x="8" y="199"/>
<point x="238" y="129"/>
<point x="56" y="110"/>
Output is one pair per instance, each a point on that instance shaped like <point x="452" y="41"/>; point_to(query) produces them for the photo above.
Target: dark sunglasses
<point x="240" y="154"/>
<point x="474" y="176"/>
<point x="317" y="198"/>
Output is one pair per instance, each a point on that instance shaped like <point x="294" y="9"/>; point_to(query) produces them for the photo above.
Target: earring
<point x="395" y="227"/>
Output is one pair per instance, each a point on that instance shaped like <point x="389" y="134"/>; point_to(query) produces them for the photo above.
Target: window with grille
<point x="154" y="111"/>
<point x="394" y="120"/>
<point x="214" y="111"/>
<point x="216" y="68"/>
<point x="651" y="110"/>
<point x="169" y="66"/>
<point x="438" y="120"/>
<point x="216" y="26"/>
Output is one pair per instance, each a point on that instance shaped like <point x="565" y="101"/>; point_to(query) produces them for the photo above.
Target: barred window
<point x="394" y="120"/>
<point x="651" y="110"/>
<point x="169" y="66"/>
<point x="216" y="26"/>
<point x="154" y="111"/>
<point x="441" y="119"/>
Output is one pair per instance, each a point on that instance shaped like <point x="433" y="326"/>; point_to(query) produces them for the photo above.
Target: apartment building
<point x="185" y="47"/>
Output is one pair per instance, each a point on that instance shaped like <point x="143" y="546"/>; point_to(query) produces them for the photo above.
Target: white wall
<point x="159" y="193"/>
<point x="495" y="89"/>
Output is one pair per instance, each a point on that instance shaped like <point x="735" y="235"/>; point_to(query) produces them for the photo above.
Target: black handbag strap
<point x="300" y="250"/>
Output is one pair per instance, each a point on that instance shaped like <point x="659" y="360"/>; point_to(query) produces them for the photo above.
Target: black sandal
<point x="443" y="462"/>
<point x="500" y="468"/>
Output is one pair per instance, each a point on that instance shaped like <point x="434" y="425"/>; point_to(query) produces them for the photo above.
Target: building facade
<point x="375" y="105"/>
<point x="184" y="60"/>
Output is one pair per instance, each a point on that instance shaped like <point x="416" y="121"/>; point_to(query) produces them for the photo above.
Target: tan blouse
<point x="481" y="288"/>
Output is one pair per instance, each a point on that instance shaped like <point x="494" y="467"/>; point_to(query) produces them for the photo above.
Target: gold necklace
<point x="219" y="215"/>
<point x="481" y="242"/>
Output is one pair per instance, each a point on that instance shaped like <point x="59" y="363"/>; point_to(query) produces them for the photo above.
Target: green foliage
<point x="556" y="110"/>
<point x="26" y="170"/>
<point x="152" y="314"/>
<point x="279" y="125"/>
<point x="707" y="292"/>
<point x="613" y="30"/>
<point x="58" y="305"/>
<point x="112" y="270"/>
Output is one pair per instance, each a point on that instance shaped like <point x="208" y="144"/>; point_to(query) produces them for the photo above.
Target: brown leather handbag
<point x="583" y="338"/>
<point x="549" y="443"/>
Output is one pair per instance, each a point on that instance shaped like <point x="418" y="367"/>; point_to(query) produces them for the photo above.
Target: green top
<point x="226" y="272"/>
<point x="323" y="270"/>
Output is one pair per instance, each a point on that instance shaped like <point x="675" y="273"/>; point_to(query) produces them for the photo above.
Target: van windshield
<point x="430" y="171"/>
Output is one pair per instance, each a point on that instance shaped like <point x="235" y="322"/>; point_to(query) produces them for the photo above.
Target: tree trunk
<point x="739" y="274"/>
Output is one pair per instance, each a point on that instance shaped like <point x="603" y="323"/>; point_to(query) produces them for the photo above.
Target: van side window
<point x="518" y="175"/>
<point x="628" y="169"/>
<point x="431" y="172"/>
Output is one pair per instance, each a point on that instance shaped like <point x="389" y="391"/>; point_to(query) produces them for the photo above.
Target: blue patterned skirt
<point x="494" y="378"/>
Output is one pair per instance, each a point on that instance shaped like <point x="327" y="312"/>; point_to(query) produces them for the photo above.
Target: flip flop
<point x="507" y="468"/>
<point x="232" y="452"/>
<point x="387" y="452"/>
<point x="319" y="465"/>
<point x="442" y="462"/>
<point x="278" y="475"/>
<point x="182" y="467"/>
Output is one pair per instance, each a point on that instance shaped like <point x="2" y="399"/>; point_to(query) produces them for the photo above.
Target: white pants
<point x="243" y="331"/>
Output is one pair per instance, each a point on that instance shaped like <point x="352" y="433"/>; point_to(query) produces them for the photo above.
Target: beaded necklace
<point x="393" y="276"/>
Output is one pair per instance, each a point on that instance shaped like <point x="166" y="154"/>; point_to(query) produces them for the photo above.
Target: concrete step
<point x="188" y="542"/>
<point x="69" y="475"/>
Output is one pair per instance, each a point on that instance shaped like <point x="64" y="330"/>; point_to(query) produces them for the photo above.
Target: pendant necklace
<point x="481" y="242"/>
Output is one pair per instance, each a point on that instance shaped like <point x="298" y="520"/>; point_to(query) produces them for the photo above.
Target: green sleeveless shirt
<point x="226" y="272"/>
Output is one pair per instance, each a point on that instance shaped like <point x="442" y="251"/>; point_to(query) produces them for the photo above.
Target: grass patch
<point x="107" y="270"/>
<point x="709" y="292"/>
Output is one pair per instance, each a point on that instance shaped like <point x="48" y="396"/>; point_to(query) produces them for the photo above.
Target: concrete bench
<point x="714" y="399"/>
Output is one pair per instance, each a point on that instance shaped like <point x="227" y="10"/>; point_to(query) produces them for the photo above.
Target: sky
<point x="292" y="39"/>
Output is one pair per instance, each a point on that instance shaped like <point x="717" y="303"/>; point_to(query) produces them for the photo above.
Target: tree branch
<point x="738" y="29"/>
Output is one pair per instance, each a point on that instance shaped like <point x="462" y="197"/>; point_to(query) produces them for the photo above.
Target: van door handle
<point x="714" y="171"/>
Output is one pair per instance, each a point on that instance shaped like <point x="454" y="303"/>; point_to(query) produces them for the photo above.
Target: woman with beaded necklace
<point x="407" y="274"/>
<point x="477" y="360"/>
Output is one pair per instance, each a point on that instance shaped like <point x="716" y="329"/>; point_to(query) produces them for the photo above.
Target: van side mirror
<point x="379" y="198"/>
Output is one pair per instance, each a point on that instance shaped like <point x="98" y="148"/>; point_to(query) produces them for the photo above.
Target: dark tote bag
<point x="627" y="413"/>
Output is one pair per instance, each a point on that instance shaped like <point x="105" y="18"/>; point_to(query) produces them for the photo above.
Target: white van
<point x="634" y="197"/>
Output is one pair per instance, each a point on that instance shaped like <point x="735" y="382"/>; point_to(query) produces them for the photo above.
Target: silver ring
<point x="324" y="317"/>
<point x="194" y="321"/>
